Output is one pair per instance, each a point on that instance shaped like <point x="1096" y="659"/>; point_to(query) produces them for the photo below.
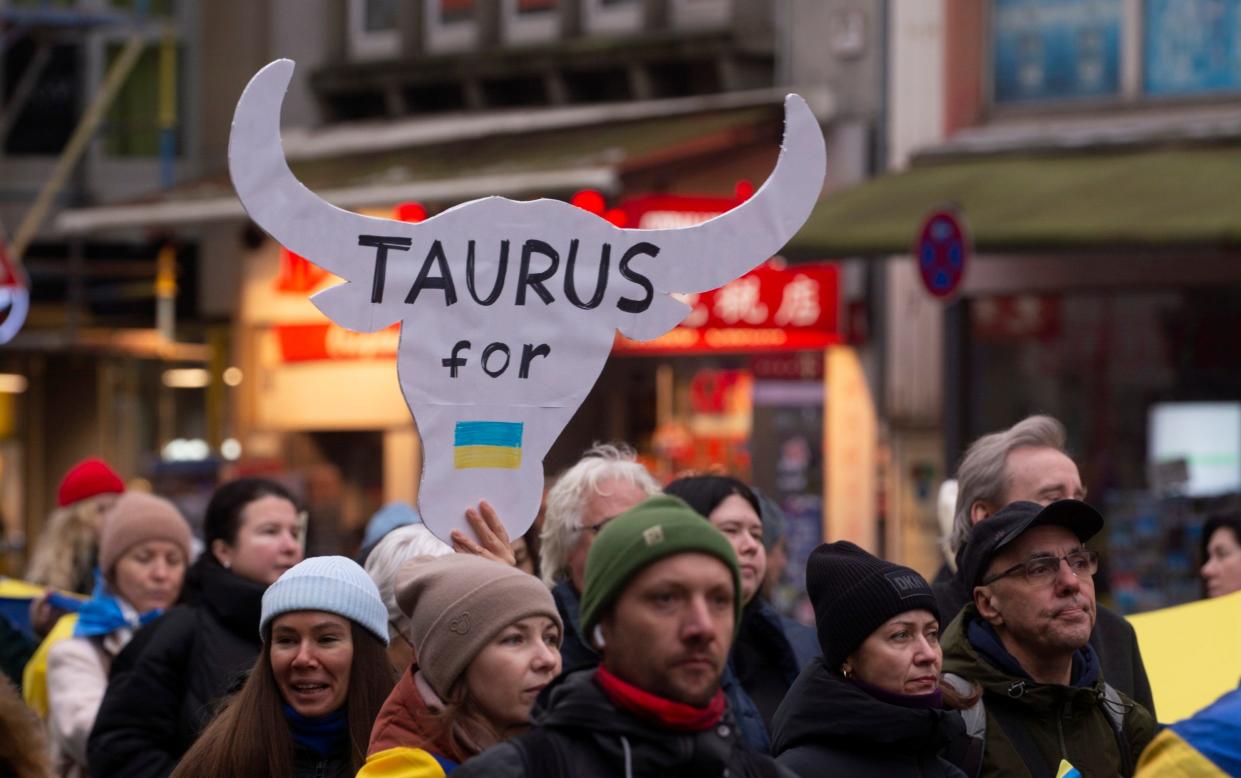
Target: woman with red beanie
<point x="64" y="557"/>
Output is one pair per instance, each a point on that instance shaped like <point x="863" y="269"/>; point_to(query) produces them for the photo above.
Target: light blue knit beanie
<point x="333" y="584"/>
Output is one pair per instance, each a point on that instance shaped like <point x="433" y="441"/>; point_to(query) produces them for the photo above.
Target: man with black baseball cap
<point x="1024" y="639"/>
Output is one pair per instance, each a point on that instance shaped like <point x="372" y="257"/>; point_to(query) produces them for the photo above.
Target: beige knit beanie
<point x="136" y="518"/>
<point x="457" y="604"/>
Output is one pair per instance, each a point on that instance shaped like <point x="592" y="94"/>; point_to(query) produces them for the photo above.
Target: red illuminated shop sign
<point x="771" y="308"/>
<point x="317" y="342"/>
<point x="662" y="212"/>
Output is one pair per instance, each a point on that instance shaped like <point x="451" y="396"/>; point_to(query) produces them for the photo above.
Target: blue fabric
<point x="575" y="650"/>
<point x="803" y="641"/>
<point x="745" y="712"/>
<point x="16" y="611"/>
<point x="982" y="636"/>
<point x="325" y="735"/>
<point x="102" y="613"/>
<point x="388" y="518"/>
<point x="444" y="762"/>
<point x="1215" y="732"/>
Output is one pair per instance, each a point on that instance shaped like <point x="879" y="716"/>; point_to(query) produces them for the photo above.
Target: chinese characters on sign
<point x="770" y="308"/>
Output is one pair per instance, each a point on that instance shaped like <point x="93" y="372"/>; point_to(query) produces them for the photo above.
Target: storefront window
<point x="1192" y="47"/>
<point x="1046" y="50"/>
<point x="1111" y="368"/>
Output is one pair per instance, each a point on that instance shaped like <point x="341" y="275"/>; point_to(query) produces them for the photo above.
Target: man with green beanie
<point x="661" y="601"/>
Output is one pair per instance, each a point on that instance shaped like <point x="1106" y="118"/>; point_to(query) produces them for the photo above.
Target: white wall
<point x="916" y="88"/>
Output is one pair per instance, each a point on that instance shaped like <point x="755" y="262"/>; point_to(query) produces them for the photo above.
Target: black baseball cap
<point x="1006" y="525"/>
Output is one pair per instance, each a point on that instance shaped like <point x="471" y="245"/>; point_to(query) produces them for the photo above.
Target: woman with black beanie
<point x="873" y="704"/>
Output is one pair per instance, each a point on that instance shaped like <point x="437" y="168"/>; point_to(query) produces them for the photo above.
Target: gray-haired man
<point x="1027" y="462"/>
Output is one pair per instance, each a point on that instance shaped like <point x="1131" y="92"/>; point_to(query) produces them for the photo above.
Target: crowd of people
<point x="630" y="636"/>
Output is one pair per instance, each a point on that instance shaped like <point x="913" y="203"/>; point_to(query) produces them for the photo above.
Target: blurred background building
<point x="1088" y="146"/>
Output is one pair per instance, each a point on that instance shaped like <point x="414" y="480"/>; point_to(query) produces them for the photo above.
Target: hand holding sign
<point x="508" y="310"/>
<point x="489" y="529"/>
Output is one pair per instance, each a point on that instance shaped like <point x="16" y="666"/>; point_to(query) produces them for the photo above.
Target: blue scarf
<point x="325" y="735"/>
<point x="102" y="614"/>
<point x="983" y="637"/>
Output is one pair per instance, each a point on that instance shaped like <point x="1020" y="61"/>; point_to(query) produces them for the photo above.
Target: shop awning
<point x="1152" y="198"/>
<point x="520" y="165"/>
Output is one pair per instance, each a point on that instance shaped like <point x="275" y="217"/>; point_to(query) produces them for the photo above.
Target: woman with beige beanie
<point x="144" y="548"/>
<point x="487" y="640"/>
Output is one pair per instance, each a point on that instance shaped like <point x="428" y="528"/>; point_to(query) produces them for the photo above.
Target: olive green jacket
<point x="1061" y="722"/>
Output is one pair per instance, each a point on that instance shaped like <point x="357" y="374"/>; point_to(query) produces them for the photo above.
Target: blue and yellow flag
<point x="487" y="444"/>
<point x="1209" y="631"/>
<point x="1067" y="770"/>
<point x="1206" y="745"/>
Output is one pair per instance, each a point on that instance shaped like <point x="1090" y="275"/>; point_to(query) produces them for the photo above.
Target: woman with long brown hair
<point x="309" y="703"/>
<point x="486" y="640"/>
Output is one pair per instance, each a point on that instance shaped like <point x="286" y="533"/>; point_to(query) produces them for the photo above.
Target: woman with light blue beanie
<point x="309" y="703"/>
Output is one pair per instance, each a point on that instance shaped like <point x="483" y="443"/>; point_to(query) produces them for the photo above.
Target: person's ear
<point x="979" y="511"/>
<point x="223" y="553"/>
<point x="987" y="603"/>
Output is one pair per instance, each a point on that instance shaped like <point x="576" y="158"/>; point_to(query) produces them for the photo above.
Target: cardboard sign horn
<point x="508" y="310"/>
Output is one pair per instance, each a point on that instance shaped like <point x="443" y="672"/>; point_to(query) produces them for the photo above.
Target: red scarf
<point x="676" y="716"/>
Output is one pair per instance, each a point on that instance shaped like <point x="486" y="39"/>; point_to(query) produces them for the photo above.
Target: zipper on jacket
<point x="1064" y="752"/>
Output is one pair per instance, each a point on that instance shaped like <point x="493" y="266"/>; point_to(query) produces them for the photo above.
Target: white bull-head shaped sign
<point x="508" y="310"/>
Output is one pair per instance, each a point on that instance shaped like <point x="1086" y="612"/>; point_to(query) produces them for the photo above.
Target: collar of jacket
<point x="397" y="723"/>
<point x="580" y="711"/>
<point x="963" y="658"/>
<point x="761" y="628"/>
<point x="237" y="602"/>
<point x="822" y="707"/>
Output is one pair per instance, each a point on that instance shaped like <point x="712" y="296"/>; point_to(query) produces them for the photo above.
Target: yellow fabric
<point x="17" y="589"/>
<point x="1209" y="631"/>
<point x="34" y="677"/>
<point x="401" y="762"/>
<point x="1168" y="756"/>
<point x="1067" y="770"/>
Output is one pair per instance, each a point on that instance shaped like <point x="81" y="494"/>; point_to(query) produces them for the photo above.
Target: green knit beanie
<point x="656" y="528"/>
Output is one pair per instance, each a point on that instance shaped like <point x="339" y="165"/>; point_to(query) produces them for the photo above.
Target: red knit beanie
<point x="88" y="478"/>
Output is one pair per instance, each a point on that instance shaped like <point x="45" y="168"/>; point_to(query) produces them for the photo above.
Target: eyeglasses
<point x="1042" y="569"/>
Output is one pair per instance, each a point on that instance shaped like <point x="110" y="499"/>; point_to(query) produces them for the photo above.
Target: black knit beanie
<point x="854" y="593"/>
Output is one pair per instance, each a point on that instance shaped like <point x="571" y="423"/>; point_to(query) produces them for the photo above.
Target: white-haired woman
<point x="389" y="554"/>
<point x="605" y="482"/>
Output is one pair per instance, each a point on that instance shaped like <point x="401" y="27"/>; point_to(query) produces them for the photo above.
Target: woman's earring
<point x="846" y="671"/>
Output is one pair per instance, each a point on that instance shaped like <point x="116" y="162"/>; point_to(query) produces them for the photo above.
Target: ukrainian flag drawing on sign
<point x="487" y="444"/>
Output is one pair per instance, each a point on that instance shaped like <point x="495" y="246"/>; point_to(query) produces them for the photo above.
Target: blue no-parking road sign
<point x="942" y="251"/>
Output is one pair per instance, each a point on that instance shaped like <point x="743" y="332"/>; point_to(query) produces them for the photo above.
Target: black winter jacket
<point x="309" y="764"/>
<point x="1113" y="640"/>
<point x="165" y="685"/>
<point x="829" y="726"/>
<point x="592" y="737"/>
